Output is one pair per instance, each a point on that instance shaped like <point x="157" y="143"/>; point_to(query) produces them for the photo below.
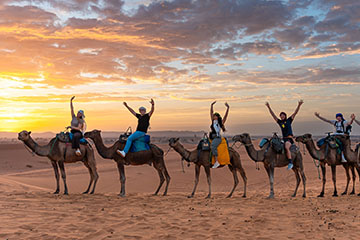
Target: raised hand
<point x="267" y="104"/>
<point x="317" y="114"/>
<point x="72" y="98"/>
<point x="352" y="116"/>
<point x="213" y="103"/>
<point x="152" y="102"/>
<point x="227" y="105"/>
<point x="125" y="104"/>
<point x="301" y="102"/>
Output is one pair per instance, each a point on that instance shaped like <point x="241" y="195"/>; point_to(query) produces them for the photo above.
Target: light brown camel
<point x="60" y="153"/>
<point x="271" y="160"/>
<point x="155" y="156"/>
<point x="203" y="159"/>
<point x="350" y="155"/>
<point x="327" y="155"/>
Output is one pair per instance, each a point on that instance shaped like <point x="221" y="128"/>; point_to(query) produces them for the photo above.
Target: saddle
<point x="331" y="142"/>
<point x="277" y="144"/>
<point x="66" y="137"/>
<point x="140" y="144"/>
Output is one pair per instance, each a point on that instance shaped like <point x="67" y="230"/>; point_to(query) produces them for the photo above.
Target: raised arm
<point x="212" y="110"/>
<point x="357" y="121"/>
<point x="152" y="107"/>
<point x="226" y="113"/>
<point x="297" y="109"/>
<point x="130" y="109"/>
<point x="267" y="104"/>
<point x="321" y="118"/>
<point x="72" y="107"/>
<point x="352" y="117"/>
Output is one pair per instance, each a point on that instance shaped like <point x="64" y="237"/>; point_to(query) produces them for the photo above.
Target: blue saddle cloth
<point x="82" y="140"/>
<point x="141" y="144"/>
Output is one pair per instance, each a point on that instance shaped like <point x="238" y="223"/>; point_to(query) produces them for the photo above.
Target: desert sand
<point x="29" y="210"/>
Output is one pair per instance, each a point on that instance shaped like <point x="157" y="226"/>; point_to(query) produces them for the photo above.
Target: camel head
<point x="243" y="138"/>
<point x="24" y="135"/>
<point x="92" y="134"/>
<point x="304" y="138"/>
<point x="173" y="142"/>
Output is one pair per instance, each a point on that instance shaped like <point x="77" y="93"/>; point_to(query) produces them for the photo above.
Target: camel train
<point x="213" y="151"/>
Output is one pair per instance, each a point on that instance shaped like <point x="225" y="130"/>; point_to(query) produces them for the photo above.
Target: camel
<point x="350" y="155"/>
<point x="204" y="160"/>
<point x="271" y="160"/>
<point x="155" y="156"/>
<point x="327" y="155"/>
<point x="60" y="153"/>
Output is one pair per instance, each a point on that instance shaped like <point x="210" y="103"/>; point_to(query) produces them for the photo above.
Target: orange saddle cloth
<point x="223" y="153"/>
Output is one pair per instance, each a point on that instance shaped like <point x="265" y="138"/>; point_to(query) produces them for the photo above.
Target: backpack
<point x="346" y="130"/>
<point x="277" y="144"/>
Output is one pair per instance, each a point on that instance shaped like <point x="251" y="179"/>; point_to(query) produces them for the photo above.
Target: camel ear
<point x="177" y="139"/>
<point x="29" y="132"/>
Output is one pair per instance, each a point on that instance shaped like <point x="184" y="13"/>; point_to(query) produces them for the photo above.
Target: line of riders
<point x="78" y="128"/>
<point x="218" y="153"/>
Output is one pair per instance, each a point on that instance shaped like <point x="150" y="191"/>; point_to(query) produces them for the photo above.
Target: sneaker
<point x="290" y="166"/>
<point x="121" y="153"/>
<point x="78" y="152"/>
<point x="343" y="160"/>
<point x="216" y="164"/>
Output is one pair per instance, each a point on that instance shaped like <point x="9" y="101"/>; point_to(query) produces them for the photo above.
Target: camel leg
<point x="236" y="180"/>
<point x="162" y="178"/>
<point x="353" y="179"/>
<point x="91" y="177"/>
<point x="95" y="174"/>
<point x="270" y="172"/>
<point x="346" y="167"/>
<point x="323" y="171"/>
<point x="197" y="174"/>
<point x="63" y="176"/>
<point x="208" y="176"/>
<point x="303" y="177"/>
<point x="296" y="171"/>
<point x="243" y="175"/>
<point x="358" y="171"/>
<point x="333" y="172"/>
<point x="167" y="177"/>
<point x="57" y="177"/>
<point x="121" y="170"/>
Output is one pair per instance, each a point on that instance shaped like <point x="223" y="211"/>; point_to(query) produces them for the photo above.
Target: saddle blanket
<point x="223" y="153"/>
<point x="141" y="144"/>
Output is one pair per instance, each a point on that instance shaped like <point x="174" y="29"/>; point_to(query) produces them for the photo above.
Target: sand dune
<point x="29" y="210"/>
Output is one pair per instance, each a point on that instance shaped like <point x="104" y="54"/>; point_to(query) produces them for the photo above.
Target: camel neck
<point x="182" y="151"/>
<point x="105" y="152"/>
<point x="255" y="155"/>
<point x="42" y="151"/>
<point x="315" y="153"/>
<point x="350" y="154"/>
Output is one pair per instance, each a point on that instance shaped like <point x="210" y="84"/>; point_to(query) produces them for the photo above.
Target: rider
<point x="78" y="127"/>
<point x="217" y="124"/>
<point x="341" y="126"/>
<point x="286" y="129"/>
<point x="141" y="130"/>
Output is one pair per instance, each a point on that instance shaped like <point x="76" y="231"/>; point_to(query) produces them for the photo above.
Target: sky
<point x="182" y="53"/>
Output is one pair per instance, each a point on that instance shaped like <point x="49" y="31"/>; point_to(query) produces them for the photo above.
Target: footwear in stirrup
<point x="78" y="152"/>
<point x="216" y="164"/>
<point x="121" y="153"/>
<point x="290" y="166"/>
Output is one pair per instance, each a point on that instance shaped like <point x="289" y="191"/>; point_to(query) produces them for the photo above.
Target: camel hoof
<point x="66" y="193"/>
<point x="321" y="195"/>
<point x="86" y="192"/>
<point x="335" y="195"/>
<point x="344" y="193"/>
<point x="122" y="195"/>
<point x="294" y="195"/>
<point x="190" y="196"/>
<point x="229" y="196"/>
<point x="352" y="193"/>
<point x="208" y="196"/>
<point x="244" y="196"/>
<point x="164" y="194"/>
<point x="359" y="194"/>
<point x="92" y="192"/>
<point x="270" y="197"/>
<point x="56" y="192"/>
<point x="304" y="195"/>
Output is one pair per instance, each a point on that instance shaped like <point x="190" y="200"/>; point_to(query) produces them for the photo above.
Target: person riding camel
<point x="341" y="126"/>
<point x="142" y="127"/>
<point x="217" y="124"/>
<point x="78" y="127"/>
<point x="286" y="129"/>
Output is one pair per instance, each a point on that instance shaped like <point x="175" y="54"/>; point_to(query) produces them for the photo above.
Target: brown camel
<point x="203" y="159"/>
<point x="271" y="160"/>
<point x="60" y="153"/>
<point x="327" y="155"/>
<point x="350" y="155"/>
<point x="155" y="156"/>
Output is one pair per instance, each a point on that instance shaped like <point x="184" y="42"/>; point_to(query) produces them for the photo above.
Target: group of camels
<point x="60" y="152"/>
